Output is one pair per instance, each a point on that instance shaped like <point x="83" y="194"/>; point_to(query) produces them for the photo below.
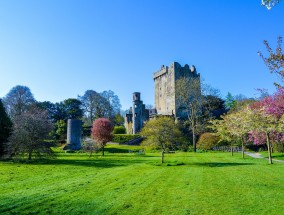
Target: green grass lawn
<point x="131" y="183"/>
<point x="275" y="155"/>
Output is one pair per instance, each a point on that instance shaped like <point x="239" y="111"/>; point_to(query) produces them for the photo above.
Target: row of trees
<point x="26" y="125"/>
<point x="261" y="122"/>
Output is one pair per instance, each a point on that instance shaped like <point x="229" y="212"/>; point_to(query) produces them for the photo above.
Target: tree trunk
<point x="193" y="139"/>
<point x="163" y="155"/>
<point x="232" y="150"/>
<point x="243" y="148"/>
<point x="30" y="155"/>
<point x="91" y="153"/>
<point x="269" y="149"/>
<point x="103" y="151"/>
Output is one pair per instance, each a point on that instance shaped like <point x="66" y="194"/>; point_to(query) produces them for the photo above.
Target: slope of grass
<point x="130" y="183"/>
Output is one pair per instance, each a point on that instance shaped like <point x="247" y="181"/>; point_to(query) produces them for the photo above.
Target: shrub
<point x="119" y="130"/>
<point x="123" y="138"/>
<point x="207" y="141"/>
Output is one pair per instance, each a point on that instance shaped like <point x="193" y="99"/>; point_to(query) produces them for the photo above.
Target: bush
<point x="207" y="141"/>
<point x="119" y="130"/>
<point x="123" y="138"/>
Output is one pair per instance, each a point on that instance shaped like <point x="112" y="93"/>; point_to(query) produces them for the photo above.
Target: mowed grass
<point x="131" y="183"/>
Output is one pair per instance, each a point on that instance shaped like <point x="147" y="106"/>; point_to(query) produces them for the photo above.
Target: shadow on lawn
<point x="219" y="164"/>
<point x="102" y="162"/>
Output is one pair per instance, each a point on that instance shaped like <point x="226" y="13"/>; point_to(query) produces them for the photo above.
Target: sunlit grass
<point x="126" y="182"/>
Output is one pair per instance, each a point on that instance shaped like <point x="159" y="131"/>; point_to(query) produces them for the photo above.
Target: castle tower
<point x="137" y="117"/>
<point x="165" y="87"/>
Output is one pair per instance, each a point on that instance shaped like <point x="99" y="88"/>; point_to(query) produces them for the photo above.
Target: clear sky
<point x="61" y="48"/>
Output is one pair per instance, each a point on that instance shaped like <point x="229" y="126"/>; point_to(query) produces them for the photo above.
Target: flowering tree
<point x="235" y="125"/>
<point x="102" y="132"/>
<point x="267" y="116"/>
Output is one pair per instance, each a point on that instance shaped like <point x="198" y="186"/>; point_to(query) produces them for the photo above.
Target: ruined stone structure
<point x="74" y="132"/>
<point x="165" y="87"/>
<point x="137" y="115"/>
<point x="165" y="97"/>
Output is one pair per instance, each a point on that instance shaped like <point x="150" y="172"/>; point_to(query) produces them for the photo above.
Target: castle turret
<point x="137" y="113"/>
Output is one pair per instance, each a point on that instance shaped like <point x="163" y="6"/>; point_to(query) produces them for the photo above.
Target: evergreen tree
<point x="5" y="127"/>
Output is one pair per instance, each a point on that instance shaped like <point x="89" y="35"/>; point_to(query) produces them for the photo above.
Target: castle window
<point x="135" y="106"/>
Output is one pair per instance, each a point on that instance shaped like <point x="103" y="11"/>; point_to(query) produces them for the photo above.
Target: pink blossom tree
<point x="267" y="117"/>
<point x="102" y="132"/>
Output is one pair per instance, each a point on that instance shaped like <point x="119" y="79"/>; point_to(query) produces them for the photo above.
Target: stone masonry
<point x="165" y="87"/>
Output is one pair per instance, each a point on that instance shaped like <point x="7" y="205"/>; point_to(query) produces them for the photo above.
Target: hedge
<point x="122" y="138"/>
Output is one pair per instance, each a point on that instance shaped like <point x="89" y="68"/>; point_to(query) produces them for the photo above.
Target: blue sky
<point x="61" y="48"/>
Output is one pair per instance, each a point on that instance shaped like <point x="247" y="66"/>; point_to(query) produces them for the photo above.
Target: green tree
<point x="5" y="127"/>
<point x="229" y="101"/>
<point x="161" y="132"/>
<point x="73" y="108"/>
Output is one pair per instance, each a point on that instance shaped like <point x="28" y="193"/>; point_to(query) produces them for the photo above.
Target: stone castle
<point x="165" y="97"/>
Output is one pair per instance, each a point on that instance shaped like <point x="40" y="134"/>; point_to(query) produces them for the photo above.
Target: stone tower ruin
<point x="165" y="87"/>
<point x="74" y="133"/>
<point x="137" y="115"/>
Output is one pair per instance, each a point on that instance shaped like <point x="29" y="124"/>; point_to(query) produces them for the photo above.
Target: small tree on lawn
<point x="161" y="132"/>
<point x="102" y="132"/>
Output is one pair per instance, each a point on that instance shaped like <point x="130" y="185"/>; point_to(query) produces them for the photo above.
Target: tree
<point x="275" y="60"/>
<point x="229" y="101"/>
<point x="269" y="3"/>
<point x="59" y="130"/>
<point x="118" y="119"/>
<point x="30" y="131"/>
<point x="114" y="105"/>
<point x="94" y="105"/>
<point x="102" y="132"/>
<point x="18" y="100"/>
<point x="73" y="108"/>
<point x="239" y="125"/>
<point x="267" y="118"/>
<point x="5" y="127"/>
<point x="221" y="127"/>
<point x="188" y="96"/>
<point x="161" y="132"/>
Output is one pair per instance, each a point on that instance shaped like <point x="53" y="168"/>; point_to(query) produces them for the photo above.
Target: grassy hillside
<point x="131" y="183"/>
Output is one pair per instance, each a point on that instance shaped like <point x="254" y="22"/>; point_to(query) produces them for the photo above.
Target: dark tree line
<point x="26" y="125"/>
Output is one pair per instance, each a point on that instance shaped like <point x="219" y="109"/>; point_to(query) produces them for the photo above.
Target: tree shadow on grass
<point x="219" y="164"/>
<point x="87" y="162"/>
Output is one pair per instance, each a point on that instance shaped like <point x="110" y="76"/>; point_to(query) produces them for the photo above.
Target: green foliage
<point x="73" y="108"/>
<point x="123" y="138"/>
<point x="5" y="127"/>
<point x="162" y="133"/>
<point x="119" y="130"/>
<point x="207" y="141"/>
<point x="118" y="119"/>
<point x="230" y="102"/>
<point x="128" y="183"/>
<point x="59" y="131"/>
